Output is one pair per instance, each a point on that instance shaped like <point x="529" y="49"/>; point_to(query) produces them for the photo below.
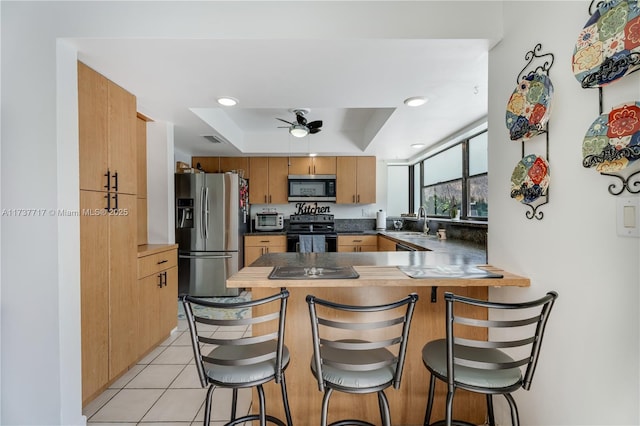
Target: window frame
<point x="465" y="179"/>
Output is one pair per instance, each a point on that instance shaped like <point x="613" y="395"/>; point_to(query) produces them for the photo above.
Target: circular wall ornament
<point x="608" y="47"/>
<point x="530" y="179"/>
<point x="529" y="107"/>
<point x="612" y="142"/>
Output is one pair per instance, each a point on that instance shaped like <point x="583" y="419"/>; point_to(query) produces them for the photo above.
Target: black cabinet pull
<point x="160" y="280"/>
<point x="162" y="261"/>
<point x="108" y="197"/>
<point x="115" y="198"/>
<point x="115" y="185"/>
<point x="108" y="176"/>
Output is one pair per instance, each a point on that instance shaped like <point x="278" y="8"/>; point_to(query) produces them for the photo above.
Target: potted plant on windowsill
<point x="454" y="213"/>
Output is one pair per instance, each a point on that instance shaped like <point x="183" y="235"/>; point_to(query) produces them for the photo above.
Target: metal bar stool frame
<point x="349" y="356"/>
<point x="264" y="357"/>
<point x="451" y="359"/>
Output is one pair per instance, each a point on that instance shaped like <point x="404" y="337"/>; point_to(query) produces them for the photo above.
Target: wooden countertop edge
<point x="380" y="276"/>
<point x="149" y="249"/>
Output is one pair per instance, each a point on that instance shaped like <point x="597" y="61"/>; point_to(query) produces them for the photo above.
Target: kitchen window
<point x="455" y="180"/>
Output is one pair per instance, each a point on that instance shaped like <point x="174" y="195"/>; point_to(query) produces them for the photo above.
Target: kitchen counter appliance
<point x="211" y="219"/>
<point x="269" y="221"/>
<point x="312" y="187"/>
<point x="311" y="224"/>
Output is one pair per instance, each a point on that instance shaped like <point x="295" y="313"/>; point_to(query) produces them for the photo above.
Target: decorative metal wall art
<point x="527" y="116"/>
<point x="608" y="48"/>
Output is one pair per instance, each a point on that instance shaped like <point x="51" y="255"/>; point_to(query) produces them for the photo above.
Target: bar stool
<point x="482" y="366"/>
<point x="359" y="349"/>
<point x="244" y="362"/>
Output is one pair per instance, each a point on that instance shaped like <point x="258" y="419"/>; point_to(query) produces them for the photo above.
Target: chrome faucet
<point x="422" y="212"/>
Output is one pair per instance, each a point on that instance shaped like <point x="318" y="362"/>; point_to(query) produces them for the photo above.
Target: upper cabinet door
<point x="278" y="182"/>
<point x="300" y="166"/>
<point x="259" y="182"/>
<point x="323" y="166"/>
<point x="93" y="133"/>
<point x="107" y="132"/>
<point x="122" y="140"/>
<point x="366" y="180"/>
<point x="346" y="180"/>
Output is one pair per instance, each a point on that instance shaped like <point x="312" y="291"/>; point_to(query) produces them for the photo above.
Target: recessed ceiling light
<point x="312" y="154"/>
<point x="227" y="101"/>
<point x="415" y="101"/>
<point x="417" y="145"/>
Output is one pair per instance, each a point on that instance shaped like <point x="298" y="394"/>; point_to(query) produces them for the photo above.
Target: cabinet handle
<point x="265" y="199"/>
<point x="108" y="176"/>
<point x="162" y="261"/>
<point x="269" y="199"/>
<point x="108" y="197"/>
<point x="160" y="280"/>
<point x="115" y="178"/>
<point x="115" y="198"/>
<point x="309" y="169"/>
<point x="353" y="198"/>
<point x="357" y="241"/>
<point x="314" y="170"/>
<point x="358" y="197"/>
<point x="264" y="241"/>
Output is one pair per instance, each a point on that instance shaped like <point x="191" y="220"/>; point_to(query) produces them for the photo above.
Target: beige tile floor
<point x="163" y="389"/>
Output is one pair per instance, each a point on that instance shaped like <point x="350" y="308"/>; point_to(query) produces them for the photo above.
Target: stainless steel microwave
<point x="312" y="187"/>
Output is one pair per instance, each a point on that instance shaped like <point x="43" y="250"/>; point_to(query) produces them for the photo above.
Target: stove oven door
<point x="293" y="243"/>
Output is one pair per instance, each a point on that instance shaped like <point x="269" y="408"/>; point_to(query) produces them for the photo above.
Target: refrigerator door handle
<point x="189" y="256"/>
<point x="206" y="212"/>
<point x="202" y="208"/>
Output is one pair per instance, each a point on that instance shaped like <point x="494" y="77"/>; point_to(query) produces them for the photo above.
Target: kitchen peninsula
<point x="380" y="280"/>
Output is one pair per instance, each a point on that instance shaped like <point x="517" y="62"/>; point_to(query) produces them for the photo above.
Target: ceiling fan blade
<point x="314" y="130"/>
<point x="315" y="124"/>
<point x="301" y="120"/>
<point x="288" y="122"/>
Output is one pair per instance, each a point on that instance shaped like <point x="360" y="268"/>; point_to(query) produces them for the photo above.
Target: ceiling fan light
<point x="298" y="131"/>
<point x="227" y="101"/>
<point x="415" y="101"/>
<point x="417" y="145"/>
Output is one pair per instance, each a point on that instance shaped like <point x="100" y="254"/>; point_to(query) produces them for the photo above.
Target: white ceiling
<point x="356" y="86"/>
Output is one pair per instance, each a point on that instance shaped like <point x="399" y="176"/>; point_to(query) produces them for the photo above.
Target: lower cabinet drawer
<point x="157" y="262"/>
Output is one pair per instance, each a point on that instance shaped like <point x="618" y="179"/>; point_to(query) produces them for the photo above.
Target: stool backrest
<point x="213" y="322"/>
<point x="515" y="328"/>
<point x="360" y="328"/>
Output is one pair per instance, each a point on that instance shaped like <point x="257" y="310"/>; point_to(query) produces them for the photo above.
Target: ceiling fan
<point x="301" y="128"/>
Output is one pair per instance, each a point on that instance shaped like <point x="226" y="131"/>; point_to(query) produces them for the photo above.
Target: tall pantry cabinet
<point x="108" y="229"/>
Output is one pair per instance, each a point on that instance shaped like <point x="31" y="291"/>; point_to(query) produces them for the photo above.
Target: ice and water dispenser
<point x="184" y="213"/>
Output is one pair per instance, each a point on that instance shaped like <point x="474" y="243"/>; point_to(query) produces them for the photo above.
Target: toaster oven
<point x="269" y="221"/>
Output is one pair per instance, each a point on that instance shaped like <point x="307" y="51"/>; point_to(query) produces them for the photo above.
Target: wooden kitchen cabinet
<point x="141" y="192"/>
<point x="108" y="148"/>
<point x="228" y="164"/>
<point x="157" y="295"/>
<point x="356" y="180"/>
<point x="268" y="183"/>
<point x="312" y="165"/>
<point x="107" y="132"/>
<point x="386" y="244"/>
<point x="357" y="243"/>
<point x="257" y="245"/>
<point x="108" y="247"/>
<point x="207" y="164"/>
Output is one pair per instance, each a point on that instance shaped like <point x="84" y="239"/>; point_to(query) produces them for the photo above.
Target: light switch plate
<point x="628" y="217"/>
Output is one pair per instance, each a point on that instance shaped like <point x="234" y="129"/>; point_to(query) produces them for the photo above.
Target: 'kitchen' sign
<point x="304" y="208"/>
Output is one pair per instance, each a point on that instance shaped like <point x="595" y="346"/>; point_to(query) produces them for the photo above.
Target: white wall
<point x="160" y="187"/>
<point x="588" y="370"/>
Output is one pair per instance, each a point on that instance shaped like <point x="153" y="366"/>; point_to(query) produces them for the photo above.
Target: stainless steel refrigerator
<point x="211" y="219"/>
